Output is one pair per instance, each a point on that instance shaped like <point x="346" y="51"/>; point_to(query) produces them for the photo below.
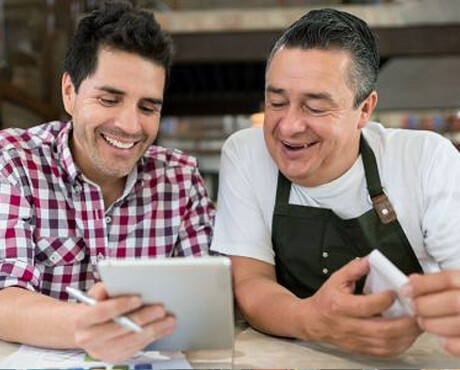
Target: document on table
<point x="40" y="358"/>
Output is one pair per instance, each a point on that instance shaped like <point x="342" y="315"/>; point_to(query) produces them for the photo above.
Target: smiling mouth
<point x="118" y="144"/>
<point x="297" y="146"/>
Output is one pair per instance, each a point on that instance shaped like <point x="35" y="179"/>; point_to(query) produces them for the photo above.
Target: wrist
<point x="304" y="320"/>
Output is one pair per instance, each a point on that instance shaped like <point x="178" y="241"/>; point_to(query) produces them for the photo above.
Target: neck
<point x="112" y="190"/>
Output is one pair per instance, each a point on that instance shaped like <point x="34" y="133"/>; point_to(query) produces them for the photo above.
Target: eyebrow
<point x="314" y="96"/>
<point x="112" y="90"/>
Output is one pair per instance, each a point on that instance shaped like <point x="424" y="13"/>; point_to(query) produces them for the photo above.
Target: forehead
<point x="317" y="69"/>
<point x="127" y="70"/>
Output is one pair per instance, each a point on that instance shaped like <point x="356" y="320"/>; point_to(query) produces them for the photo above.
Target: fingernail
<point x="406" y="290"/>
<point x="135" y="302"/>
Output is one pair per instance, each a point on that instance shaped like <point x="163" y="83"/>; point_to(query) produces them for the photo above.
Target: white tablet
<point x="198" y="291"/>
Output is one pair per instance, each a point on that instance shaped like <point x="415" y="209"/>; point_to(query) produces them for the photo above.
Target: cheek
<point x="151" y="127"/>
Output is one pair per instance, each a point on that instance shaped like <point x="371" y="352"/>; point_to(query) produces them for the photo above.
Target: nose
<point x="292" y="123"/>
<point x="128" y="120"/>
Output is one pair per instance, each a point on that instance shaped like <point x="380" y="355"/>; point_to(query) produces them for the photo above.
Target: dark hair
<point x="120" y="26"/>
<point x="334" y="29"/>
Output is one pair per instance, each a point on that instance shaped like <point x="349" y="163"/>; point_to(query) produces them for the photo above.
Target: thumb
<point x="98" y="292"/>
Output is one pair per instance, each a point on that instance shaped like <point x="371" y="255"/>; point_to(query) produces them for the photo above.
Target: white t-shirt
<point x="419" y="171"/>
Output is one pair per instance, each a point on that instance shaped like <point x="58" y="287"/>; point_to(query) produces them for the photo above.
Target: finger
<point x="379" y="336"/>
<point x="432" y="283"/>
<point x="110" y="330"/>
<point x="386" y="347"/>
<point x="123" y="346"/>
<point x="349" y="274"/>
<point x="159" y="329"/>
<point x="363" y="306"/>
<point x="451" y="345"/>
<point x="98" y="292"/>
<point x="131" y="347"/>
<point x="108" y="309"/>
<point x="437" y="304"/>
<point x="379" y="327"/>
<point x="137" y="341"/>
<point x="148" y="314"/>
<point x="446" y="326"/>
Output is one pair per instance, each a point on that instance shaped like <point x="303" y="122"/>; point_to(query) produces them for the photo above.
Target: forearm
<point x="271" y="308"/>
<point x="35" y="319"/>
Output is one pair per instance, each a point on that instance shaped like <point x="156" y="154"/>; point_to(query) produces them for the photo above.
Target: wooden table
<point x="256" y="350"/>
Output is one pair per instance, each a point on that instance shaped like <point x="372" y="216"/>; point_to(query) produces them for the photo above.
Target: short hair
<point x="334" y="29"/>
<point x="120" y="26"/>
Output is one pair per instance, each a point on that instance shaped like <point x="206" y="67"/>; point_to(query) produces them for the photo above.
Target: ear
<point x="68" y="93"/>
<point x="367" y="107"/>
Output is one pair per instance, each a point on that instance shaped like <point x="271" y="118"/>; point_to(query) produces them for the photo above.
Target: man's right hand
<point x="353" y="322"/>
<point x="103" y="339"/>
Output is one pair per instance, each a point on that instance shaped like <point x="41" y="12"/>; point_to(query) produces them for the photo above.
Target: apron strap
<point x="283" y="190"/>
<point x="380" y="201"/>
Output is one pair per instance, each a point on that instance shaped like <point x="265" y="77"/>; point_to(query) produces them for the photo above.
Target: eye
<point x="315" y="111"/>
<point x="277" y="105"/>
<point x="150" y="108"/>
<point x="108" y="101"/>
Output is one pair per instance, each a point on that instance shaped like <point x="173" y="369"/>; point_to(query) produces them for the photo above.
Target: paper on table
<point x="33" y="357"/>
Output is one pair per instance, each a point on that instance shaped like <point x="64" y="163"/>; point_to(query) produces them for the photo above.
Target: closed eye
<point x="277" y="105"/>
<point x="108" y="102"/>
<point x="150" y="108"/>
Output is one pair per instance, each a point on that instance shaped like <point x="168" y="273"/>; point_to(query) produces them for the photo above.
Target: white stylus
<point x="90" y="301"/>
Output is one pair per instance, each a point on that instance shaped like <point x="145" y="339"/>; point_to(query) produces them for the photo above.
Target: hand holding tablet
<point x="384" y="275"/>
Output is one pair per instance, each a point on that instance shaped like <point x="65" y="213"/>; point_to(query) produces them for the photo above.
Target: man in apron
<point x="320" y="185"/>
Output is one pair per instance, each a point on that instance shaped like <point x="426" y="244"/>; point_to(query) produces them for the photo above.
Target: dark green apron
<point x="311" y="243"/>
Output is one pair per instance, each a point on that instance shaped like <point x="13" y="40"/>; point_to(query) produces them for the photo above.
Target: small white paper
<point x="27" y="357"/>
<point x="384" y="275"/>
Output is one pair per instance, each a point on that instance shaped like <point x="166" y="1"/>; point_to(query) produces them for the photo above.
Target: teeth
<point x="118" y="144"/>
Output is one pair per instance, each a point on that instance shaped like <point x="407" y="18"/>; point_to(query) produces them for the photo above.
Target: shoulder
<point x="245" y="140"/>
<point x="158" y="157"/>
<point x="414" y="143"/>
<point x="30" y="139"/>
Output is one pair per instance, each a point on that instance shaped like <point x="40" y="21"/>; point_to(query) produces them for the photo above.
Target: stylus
<point x="90" y="301"/>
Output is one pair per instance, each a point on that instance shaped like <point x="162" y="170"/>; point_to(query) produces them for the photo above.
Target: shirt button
<point x="325" y="271"/>
<point x="100" y="257"/>
<point x="53" y="258"/>
<point x="108" y="219"/>
<point x="384" y="211"/>
<point x="76" y="189"/>
<point x="325" y="254"/>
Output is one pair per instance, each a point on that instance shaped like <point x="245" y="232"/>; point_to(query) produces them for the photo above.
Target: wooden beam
<point x="255" y="46"/>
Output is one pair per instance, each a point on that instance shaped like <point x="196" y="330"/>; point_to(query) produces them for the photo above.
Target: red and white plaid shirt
<point x="53" y="226"/>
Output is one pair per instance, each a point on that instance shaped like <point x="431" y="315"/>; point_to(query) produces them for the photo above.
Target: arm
<point x="35" y="319"/>
<point x="440" y="168"/>
<point x="436" y="302"/>
<point x="332" y="315"/>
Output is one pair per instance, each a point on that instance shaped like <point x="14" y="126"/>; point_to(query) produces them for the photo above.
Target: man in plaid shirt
<point x="95" y="187"/>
